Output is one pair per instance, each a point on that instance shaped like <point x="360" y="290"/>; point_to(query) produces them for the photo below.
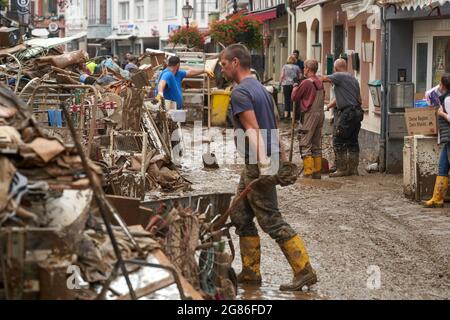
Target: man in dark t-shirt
<point x="257" y="140"/>
<point x="347" y="119"/>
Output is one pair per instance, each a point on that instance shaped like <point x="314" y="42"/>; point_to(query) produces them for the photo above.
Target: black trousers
<point x="287" y="91"/>
<point x="347" y="124"/>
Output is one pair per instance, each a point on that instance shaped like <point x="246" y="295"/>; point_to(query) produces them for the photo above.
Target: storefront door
<point x="431" y="53"/>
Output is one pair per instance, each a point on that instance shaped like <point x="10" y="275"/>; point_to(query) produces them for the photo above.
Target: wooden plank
<point x="187" y="287"/>
<point x="145" y="291"/>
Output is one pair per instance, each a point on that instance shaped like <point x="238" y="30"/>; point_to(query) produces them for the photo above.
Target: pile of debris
<point x="110" y="107"/>
<point x="54" y="219"/>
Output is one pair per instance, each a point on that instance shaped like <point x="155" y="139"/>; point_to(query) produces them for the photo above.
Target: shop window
<point x="421" y="67"/>
<point x="441" y="58"/>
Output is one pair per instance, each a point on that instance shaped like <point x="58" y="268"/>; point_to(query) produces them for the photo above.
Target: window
<point x="104" y="12"/>
<point x="153" y="10"/>
<point x="441" y="58"/>
<point x="194" y="15"/>
<point x="92" y="12"/>
<point x="140" y="9"/>
<point x="49" y="8"/>
<point x="170" y="9"/>
<point x="421" y="67"/>
<point x="124" y="11"/>
<point x="202" y="8"/>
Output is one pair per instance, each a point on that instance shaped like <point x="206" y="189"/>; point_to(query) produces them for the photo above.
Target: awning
<point x="264" y="15"/>
<point x="310" y="3"/>
<point x="52" y="42"/>
<point x="119" y="37"/>
<point x="413" y="4"/>
<point x="353" y="9"/>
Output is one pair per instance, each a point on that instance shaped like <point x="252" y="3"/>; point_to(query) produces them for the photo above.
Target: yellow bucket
<point x="220" y="101"/>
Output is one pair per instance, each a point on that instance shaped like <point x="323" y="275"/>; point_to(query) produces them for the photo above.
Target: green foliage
<point x="237" y="29"/>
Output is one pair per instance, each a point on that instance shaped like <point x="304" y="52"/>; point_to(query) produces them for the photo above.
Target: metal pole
<point x="101" y="203"/>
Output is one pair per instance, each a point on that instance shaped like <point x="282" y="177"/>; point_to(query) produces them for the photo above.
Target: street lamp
<point x="187" y="12"/>
<point x="235" y="6"/>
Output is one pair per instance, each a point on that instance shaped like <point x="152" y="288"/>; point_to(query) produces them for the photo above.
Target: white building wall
<point x="146" y="25"/>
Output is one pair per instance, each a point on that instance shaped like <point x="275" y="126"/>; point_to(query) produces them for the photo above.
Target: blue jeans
<point x="444" y="161"/>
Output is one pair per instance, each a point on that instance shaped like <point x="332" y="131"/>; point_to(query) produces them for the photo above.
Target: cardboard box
<point x="421" y="121"/>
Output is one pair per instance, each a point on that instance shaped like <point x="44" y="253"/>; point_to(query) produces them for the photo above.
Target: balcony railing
<point x="98" y="22"/>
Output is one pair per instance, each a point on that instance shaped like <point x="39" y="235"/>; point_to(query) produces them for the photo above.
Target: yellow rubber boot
<point x="297" y="256"/>
<point x="308" y="166"/>
<point x="440" y="190"/>
<point x="317" y="168"/>
<point x="251" y="260"/>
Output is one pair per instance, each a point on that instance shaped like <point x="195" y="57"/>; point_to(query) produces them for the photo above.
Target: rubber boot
<point x="353" y="163"/>
<point x="308" y="165"/>
<point x="251" y="260"/>
<point x="304" y="275"/>
<point x="341" y="165"/>
<point x="317" y="168"/>
<point x="440" y="190"/>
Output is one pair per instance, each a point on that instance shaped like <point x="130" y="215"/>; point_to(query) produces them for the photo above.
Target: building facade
<point x="99" y="27"/>
<point x="416" y="54"/>
<point x="141" y="24"/>
<point x="76" y="24"/>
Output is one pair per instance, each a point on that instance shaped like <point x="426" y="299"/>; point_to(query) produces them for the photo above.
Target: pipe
<point x="292" y="14"/>
<point x="384" y="106"/>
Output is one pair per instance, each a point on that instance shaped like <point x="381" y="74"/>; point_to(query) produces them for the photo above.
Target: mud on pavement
<point x="365" y="239"/>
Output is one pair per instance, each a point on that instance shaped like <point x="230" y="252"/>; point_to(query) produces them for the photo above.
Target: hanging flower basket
<point x="191" y="37"/>
<point x="237" y="29"/>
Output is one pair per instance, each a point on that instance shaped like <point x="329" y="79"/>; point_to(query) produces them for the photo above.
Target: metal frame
<point x="97" y="98"/>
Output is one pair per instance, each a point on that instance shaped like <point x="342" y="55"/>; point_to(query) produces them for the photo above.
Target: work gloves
<point x="159" y="96"/>
<point x="210" y="74"/>
<point x="287" y="174"/>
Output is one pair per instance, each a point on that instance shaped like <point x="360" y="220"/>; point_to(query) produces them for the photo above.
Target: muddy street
<point x="365" y="239"/>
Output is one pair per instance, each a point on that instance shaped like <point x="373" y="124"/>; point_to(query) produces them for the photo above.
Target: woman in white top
<point x="290" y="74"/>
<point x="441" y="184"/>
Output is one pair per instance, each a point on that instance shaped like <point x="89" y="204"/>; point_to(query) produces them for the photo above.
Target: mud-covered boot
<point x="308" y="166"/>
<point x="440" y="190"/>
<point x="297" y="256"/>
<point x="317" y="169"/>
<point x="353" y="163"/>
<point x="251" y="260"/>
<point x="341" y="165"/>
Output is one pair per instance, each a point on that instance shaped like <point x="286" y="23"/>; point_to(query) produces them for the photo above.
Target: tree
<point x="237" y="29"/>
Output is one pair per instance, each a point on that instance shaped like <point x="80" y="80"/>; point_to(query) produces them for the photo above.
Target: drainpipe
<point x="292" y="39"/>
<point x="384" y="82"/>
